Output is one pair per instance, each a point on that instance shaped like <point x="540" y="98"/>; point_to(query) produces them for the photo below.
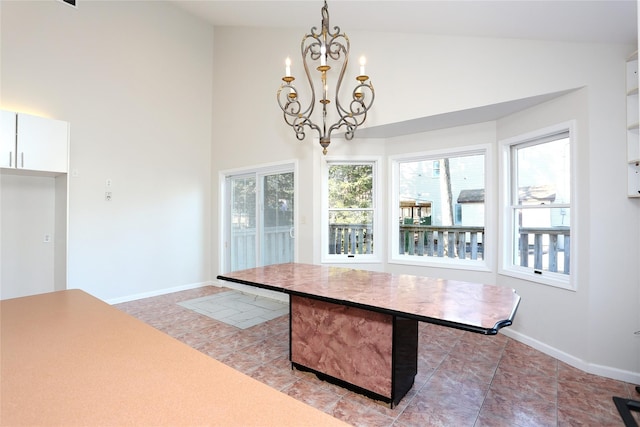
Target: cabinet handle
<point x="22" y="160"/>
<point x="10" y="159"/>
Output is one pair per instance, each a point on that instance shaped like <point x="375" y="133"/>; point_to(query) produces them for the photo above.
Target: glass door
<point x="242" y="240"/>
<point x="277" y="233"/>
<point x="260" y="219"/>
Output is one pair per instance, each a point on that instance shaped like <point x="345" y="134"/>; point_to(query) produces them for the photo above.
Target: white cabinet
<point x="7" y="139"/>
<point x="33" y="143"/>
<point x="633" y="128"/>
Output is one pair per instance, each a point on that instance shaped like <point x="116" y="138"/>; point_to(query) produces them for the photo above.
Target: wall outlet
<point x="47" y="238"/>
<point x="107" y="196"/>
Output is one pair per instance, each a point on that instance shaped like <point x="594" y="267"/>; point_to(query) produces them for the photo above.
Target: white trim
<point x="157" y="292"/>
<point x="260" y="168"/>
<point x="506" y="242"/>
<point x="604" y="371"/>
<point x="437" y="262"/>
<point x="557" y="280"/>
<point x="490" y="243"/>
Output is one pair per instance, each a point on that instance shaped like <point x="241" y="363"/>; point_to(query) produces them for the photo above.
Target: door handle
<point x="291" y="233"/>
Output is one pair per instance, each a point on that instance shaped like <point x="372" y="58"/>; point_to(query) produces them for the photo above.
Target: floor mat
<point x="237" y="308"/>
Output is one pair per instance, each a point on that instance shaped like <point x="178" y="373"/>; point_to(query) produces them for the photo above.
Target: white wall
<point x="134" y="81"/>
<point x="545" y="308"/>
<point x="419" y="75"/>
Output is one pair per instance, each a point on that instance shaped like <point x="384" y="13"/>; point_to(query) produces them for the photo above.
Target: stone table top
<point x="469" y="306"/>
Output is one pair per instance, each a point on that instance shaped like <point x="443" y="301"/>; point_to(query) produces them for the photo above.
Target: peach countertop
<point x="470" y="306"/>
<point x="68" y="359"/>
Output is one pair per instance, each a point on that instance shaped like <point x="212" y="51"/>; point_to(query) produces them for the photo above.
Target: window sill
<point x="472" y="265"/>
<point x="355" y="259"/>
<point x="555" y="280"/>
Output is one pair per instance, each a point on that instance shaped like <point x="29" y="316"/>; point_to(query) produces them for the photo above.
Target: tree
<point x="446" y="194"/>
<point x="351" y="189"/>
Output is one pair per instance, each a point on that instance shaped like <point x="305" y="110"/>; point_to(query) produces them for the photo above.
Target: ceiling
<point x="580" y="21"/>
<point x="607" y="21"/>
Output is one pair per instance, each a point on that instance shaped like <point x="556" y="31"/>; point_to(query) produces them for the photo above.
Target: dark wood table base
<point x="368" y="352"/>
<point x="625" y="406"/>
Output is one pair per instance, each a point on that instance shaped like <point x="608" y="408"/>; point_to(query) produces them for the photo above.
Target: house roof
<point x="540" y="193"/>
<point x="471" y="196"/>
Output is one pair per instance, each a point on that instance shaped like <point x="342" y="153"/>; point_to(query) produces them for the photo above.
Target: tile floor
<point x="464" y="379"/>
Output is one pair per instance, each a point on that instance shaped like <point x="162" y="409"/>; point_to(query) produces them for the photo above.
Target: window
<point x="435" y="168"/>
<point x="349" y="222"/>
<point x="439" y="206"/>
<point x="538" y="206"/>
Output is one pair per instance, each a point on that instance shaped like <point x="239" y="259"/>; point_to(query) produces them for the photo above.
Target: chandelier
<point x="321" y="48"/>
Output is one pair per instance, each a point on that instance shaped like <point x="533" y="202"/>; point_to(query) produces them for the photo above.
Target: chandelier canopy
<point x="322" y="48"/>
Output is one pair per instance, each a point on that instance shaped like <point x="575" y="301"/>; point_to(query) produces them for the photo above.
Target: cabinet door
<point x="7" y="139"/>
<point x="42" y="144"/>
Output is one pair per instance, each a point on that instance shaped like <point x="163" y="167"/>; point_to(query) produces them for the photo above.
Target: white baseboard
<point x="156" y="293"/>
<point x="603" y="371"/>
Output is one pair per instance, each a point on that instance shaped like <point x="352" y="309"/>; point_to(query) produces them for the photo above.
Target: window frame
<point x="506" y="265"/>
<point x="380" y="241"/>
<point x="489" y="244"/>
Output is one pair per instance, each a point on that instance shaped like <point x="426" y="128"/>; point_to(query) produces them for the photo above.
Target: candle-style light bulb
<point x="287" y="62"/>
<point x="323" y="55"/>
<point x="363" y="62"/>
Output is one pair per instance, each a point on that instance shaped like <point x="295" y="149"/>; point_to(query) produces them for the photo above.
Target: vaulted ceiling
<point x="608" y="21"/>
<point x="581" y="21"/>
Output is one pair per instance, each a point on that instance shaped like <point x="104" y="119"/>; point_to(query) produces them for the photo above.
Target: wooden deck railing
<point x="549" y="248"/>
<point x="462" y="242"/>
<point x="542" y="248"/>
<point x="350" y="239"/>
<point x="278" y="246"/>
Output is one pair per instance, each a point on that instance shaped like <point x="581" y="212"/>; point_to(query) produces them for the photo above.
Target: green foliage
<point x="350" y="193"/>
<point x="278" y="199"/>
<point x="243" y="202"/>
<point x="351" y="186"/>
